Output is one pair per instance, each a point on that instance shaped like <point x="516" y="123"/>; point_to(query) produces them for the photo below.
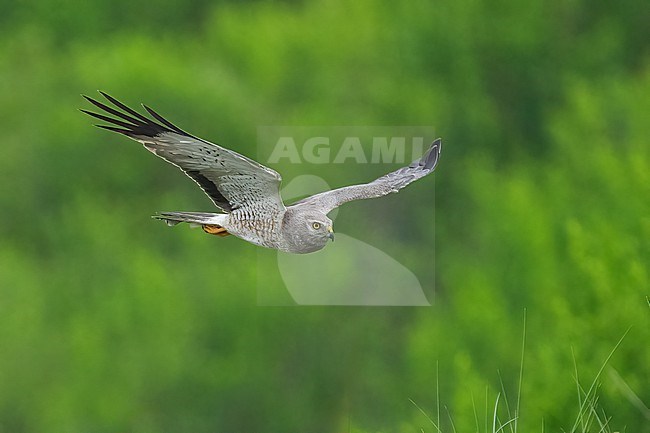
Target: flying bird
<point x="248" y="193"/>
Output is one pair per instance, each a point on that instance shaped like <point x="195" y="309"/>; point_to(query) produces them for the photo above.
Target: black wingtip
<point x="164" y="121"/>
<point x="105" y="95"/>
<point x="128" y="121"/>
<point x="87" y="98"/>
<point x="433" y="155"/>
<point x="124" y="107"/>
<point x="126" y="132"/>
<point x="429" y="160"/>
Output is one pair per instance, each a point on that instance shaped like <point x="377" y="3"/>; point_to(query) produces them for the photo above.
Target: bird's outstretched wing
<point x="234" y="182"/>
<point x="392" y="182"/>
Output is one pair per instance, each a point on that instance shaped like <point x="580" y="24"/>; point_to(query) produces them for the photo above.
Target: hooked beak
<point x="331" y="233"/>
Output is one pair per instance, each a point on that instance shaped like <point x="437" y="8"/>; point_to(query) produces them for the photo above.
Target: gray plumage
<point x="247" y="192"/>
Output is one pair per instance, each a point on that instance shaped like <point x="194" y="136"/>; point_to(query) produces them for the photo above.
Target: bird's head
<point x="307" y="230"/>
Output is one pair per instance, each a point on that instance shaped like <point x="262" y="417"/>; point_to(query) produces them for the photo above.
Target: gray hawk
<point x="247" y="192"/>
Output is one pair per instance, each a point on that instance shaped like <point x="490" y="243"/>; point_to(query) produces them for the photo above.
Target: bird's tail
<point x="210" y="222"/>
<point x="195" y="219"/>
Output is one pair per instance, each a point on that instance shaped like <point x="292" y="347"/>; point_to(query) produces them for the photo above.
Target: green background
<point x="111" y="322"/>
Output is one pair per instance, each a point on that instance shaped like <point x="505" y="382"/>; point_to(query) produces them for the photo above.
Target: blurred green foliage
<point x="110" y="322"/>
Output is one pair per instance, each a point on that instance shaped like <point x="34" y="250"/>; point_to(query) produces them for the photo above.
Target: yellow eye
<point x="316" y="226"/>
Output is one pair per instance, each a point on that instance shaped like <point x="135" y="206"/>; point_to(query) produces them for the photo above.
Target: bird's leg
<point x="213" y="229"/>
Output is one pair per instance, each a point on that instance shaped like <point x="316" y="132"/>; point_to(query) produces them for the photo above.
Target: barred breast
<point x="265" y="232"/>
